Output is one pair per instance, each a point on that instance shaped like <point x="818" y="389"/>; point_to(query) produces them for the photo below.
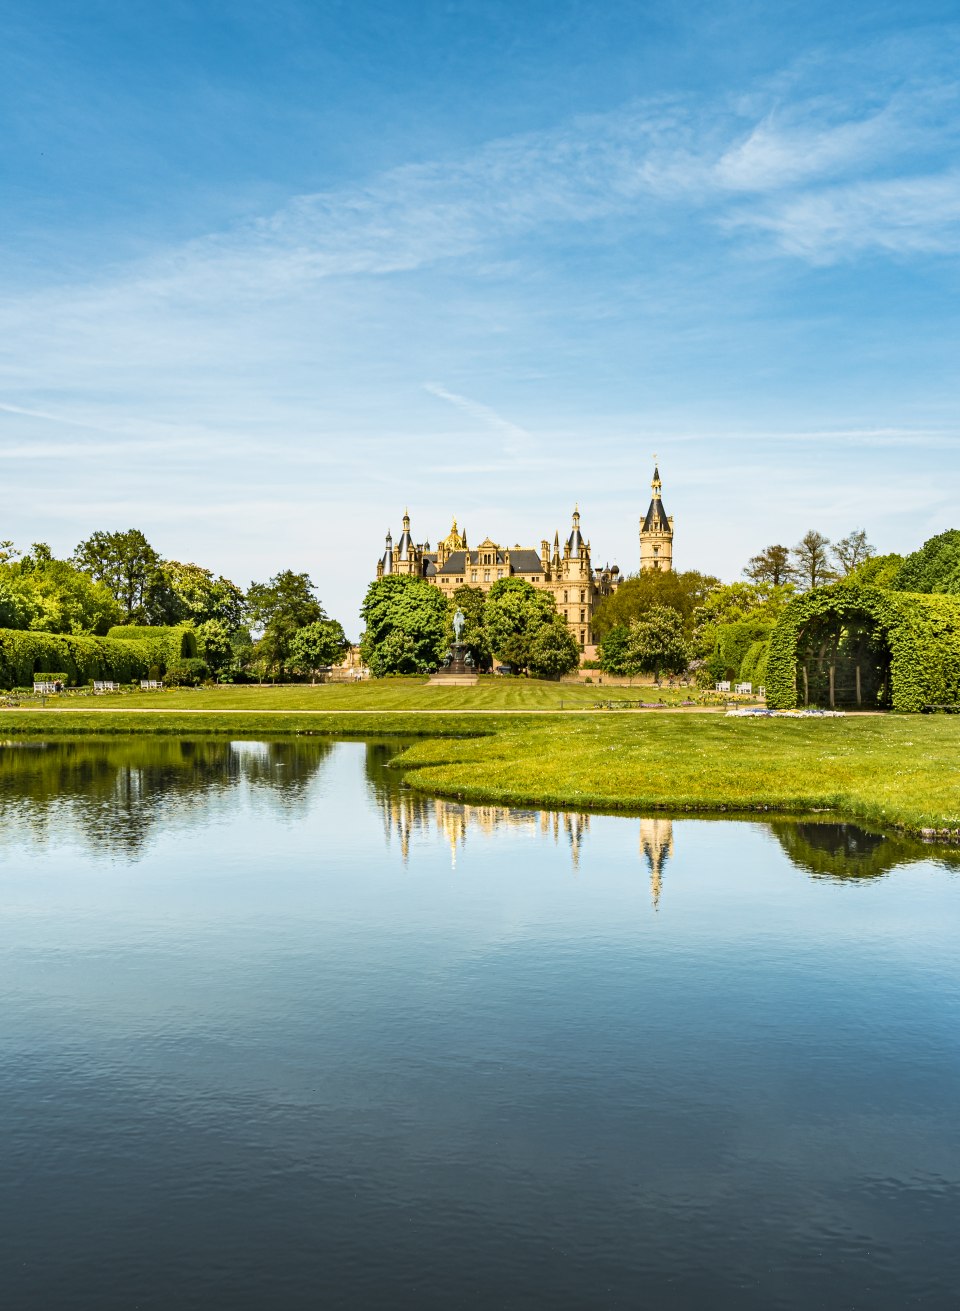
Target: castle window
<point x="473" y="575"/>
<point x="583" y="615"/>
<point x="499" y="573"/>
<point x="486" y="575"/>
<point x="564" y="596"/>
<point x="583" y="595"/>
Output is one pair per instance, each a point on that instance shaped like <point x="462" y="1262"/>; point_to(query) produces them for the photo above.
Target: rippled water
<point x="276" y="1033"/>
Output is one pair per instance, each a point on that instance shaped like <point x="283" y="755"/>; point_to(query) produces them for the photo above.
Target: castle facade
<point x="564" y="570"/>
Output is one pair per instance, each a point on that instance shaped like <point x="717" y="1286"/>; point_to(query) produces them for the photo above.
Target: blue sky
<point x="273" y="271"/>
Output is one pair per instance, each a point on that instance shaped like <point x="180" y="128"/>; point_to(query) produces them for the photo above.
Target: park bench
<point x="100" y="686"/>
<point x="150" y="685"/>
<point x="722" y="687"/>
<point x="742" y="689"/>
<point x="43" y="688"/>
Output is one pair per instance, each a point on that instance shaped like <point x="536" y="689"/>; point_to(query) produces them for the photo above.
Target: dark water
<point x="275" y="1033"/>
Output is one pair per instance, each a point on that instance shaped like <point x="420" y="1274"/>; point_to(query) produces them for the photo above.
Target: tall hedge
<point x="754" y="666"/>
<point x="733" y="643"/>
<point x="124" y="655"/>
<point x="922" y="632"/>
<point x="165" y="645"/>
<point x="24" y="654"/>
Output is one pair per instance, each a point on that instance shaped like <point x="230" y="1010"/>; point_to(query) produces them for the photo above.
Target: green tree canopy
<point x="553" y="651"/>
<point x="733" y="604"/>
<point x="129" y="567"/>
<point x="514" y="613"/>
<point x="316" y="646"/>
<point x="934" y="568"/>
<point x="279" y="609"/>
<point x="194" y="594"/>
<point x="406" y="626"/>
<point x="53" y="596"/>
<point x="683" y="592"/>
<point x="852" y="551"/>
<point x="657" y="644"/>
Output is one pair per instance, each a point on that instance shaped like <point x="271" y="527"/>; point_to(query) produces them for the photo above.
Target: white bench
<point x="744" y="689"/>
<point x="723" y="687"/>
<point x="150" y="685"/>
<point x="103" y="686"/>
<point x="47" y="689"/>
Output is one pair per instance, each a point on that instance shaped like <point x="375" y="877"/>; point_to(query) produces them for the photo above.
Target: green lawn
<point x="490" y="693"/>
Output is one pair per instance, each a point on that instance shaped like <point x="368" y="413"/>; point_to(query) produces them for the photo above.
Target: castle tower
<point x="656" y="532"/>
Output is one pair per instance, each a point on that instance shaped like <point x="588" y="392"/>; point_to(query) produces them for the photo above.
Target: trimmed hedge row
<point x="165" y="645"/>
<point x="754" y="666"/>
<point x="921" y="630"/>
<point x="24" y="653"/>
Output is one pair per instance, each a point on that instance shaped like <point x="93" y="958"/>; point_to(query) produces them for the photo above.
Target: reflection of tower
<point x="656" y="843"/>
<point x="576" y="827"/>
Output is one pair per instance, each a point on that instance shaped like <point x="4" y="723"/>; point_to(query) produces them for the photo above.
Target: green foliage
<point x="162" y="646"/>
<point x="24" y="654"/>
<point x="472" y="602"/>
<point x="614" y="649"/>
<point x="186" y="673"/>
<point x="753" y="668"/>
<point x="514" y="613"/>
<point x="810" y="561"/>
<point x="406" y="625"/>
<point x="657" y="645"/>
<point x="280" y="609"/>
<point x="878" y="571"/>
<point x="193" y="595"/>
<point x="553" y="651"/>
<point x="129" y="567"/>
<point x="733" y="642"/>
<point x="934" y="568"/>
<point x="921" y="631"/>
<point x="317" y="645"/>
<point x="683" y="592"/>
<point x="772" y="566"/>
<point x="729" y="605"/>
<point x="53" y="596"/>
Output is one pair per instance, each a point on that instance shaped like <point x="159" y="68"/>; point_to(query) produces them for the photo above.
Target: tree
<point x="635" y="596"/>
<point x="657" y="645"/>
<point x="772" y="565"/>
<point x="129" y="566"/>
<point x="811" y="560"/>
<point x="55" y="597"/>
<point x="279" y="609"/>
<point x="553" y="651"/>
<point x="514" y="613"/>
<point x="877" y="571"/>
<point x="471" y="601"/>
<point x="851" y="551"/>
<point x="934" y="568"/>
<point x="194" y="595"/>
<point x="733" y="605"/>
<point x="318" y="645"/>
<point x="613" y="649"/>
<point x="406" y="626"/>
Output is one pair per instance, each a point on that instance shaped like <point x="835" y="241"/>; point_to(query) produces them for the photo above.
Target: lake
<point x="278" y="1032"/>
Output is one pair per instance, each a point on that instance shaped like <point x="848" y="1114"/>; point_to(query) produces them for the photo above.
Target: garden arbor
<point x="849" y="646"/>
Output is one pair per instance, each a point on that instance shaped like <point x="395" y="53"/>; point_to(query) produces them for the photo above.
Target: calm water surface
<point x="276" y="1033"/>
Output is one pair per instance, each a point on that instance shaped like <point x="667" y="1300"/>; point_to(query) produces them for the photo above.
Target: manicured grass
<point x="490" y="693"/>
<point x="893" y="771"/>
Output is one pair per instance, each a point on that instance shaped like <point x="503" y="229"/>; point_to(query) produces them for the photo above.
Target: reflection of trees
<point x="846" y="851"/>
<point x="113" y="790"/>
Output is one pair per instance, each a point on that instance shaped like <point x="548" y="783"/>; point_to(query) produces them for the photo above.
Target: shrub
<point x="164" y="646"/>
<point x="186" y="673"/>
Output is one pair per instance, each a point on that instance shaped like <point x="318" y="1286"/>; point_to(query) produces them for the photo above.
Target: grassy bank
<point x="890" y="771"/>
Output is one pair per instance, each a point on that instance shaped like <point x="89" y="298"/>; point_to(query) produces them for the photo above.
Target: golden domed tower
<point x="656" y="532"/>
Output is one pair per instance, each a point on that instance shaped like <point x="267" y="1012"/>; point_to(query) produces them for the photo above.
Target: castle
<point x="565" y="571"/>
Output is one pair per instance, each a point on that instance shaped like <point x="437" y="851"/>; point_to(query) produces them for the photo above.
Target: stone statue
<point x="459" y="619"/>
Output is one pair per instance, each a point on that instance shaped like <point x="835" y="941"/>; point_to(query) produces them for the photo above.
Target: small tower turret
<point x="656" y="531"/>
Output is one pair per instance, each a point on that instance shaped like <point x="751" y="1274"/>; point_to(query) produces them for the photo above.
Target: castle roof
<point x="656" y="520"/>
<point x="522" y="561"/>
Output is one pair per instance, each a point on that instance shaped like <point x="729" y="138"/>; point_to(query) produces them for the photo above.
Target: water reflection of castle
<point x="406" y="814"/>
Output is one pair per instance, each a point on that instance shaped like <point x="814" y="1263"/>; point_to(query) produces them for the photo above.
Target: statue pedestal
<point x="457" y="670"/>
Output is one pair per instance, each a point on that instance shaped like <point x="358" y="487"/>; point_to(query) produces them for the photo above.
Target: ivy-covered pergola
<point x="852" y="646"/>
